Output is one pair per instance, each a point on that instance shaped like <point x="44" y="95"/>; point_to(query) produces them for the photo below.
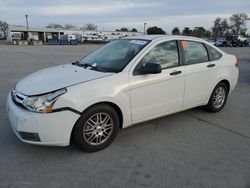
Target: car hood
<point x="55" y="78"/>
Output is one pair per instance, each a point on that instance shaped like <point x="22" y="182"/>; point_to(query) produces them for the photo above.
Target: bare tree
<point x="217" y="28"/>
<point x="238" y="23"/>
<point x="89" y="27"/>
<point x="4" y="28"/>
<point x="220" y="28"/>
<point x="224" y="27"/>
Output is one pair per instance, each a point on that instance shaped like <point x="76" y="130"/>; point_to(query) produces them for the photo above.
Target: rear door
<point x="200" y="73"/>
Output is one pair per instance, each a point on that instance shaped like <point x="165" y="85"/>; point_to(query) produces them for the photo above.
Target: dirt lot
<point x="189" y="149"/>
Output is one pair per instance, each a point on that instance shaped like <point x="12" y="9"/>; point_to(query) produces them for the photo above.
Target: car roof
<point x="161" y="37"/>
<point x="157" y="38"/>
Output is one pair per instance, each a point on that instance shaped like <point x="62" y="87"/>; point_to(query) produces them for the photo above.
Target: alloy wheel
<point x="98" y="128"/>
<point x="219" y="97"/>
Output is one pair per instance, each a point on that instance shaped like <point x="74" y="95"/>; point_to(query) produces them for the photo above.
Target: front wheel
<point x="218" y="98"/>
<point x="96" y="128"/>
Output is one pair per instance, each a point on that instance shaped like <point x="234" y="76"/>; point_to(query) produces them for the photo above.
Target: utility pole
<point x="96" y="29"/>
<point x="248" y="19"/>
<point x="145" y="28"/>
<point x="27" y="25"/>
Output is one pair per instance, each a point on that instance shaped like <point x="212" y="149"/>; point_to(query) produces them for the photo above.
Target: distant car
<point x="16" y="36"/>
<point x="222" y="43"/>
<point x="211" y="41"/>
<point x="237" y="41"/>
<point x="125" y="82"/>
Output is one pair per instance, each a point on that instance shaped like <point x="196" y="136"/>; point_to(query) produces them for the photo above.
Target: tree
<point x="220" y="28"/>
<point x="155" y="30"/>
<point x="123" y="29"/>
<point x="238" y="23"/>
<point x="187" y="31"/>
<point x="208" y="34"/>
<point x="69" y="26"/>
<point x="217" y="28"/>
<point x="224" y="27"/>
<point x="199" y="32"/>
<point x="53" y="25"/>
<point x="176" y="31"/>
<point x="4" y="28"/>
<point x="89" y="27"/>
<point x="134" y="30"/>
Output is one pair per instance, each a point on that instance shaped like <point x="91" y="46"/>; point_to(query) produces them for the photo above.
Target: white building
<point x="44" y="34"/>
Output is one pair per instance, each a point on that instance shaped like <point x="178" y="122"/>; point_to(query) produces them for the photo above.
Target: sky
<point x="113" y="14"/>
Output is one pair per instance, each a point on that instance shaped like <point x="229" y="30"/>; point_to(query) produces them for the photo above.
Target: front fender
<point x="112" y="89"/>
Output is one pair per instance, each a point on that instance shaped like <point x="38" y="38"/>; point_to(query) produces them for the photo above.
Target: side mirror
<point x="150" y="68"/>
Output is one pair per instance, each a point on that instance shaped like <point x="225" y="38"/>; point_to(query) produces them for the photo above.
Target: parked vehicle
<point x="248" y="41"/>
<point x="237" y="41"/>
<point x="17" y="36"/>
<point x="2" y="36"/>
<point x="222" y="43"/>
<point x="211" y="41"/>
<point x="95" y="38"/>
<point x="125" y="82"/>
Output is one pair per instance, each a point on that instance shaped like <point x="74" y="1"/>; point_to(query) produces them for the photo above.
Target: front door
<point x="154" y="95"/>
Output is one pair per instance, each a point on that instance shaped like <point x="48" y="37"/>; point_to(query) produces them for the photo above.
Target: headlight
<point x="43" y="103"/>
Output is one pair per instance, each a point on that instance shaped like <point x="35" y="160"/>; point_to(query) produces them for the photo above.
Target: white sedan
<point x="125" y="82"/>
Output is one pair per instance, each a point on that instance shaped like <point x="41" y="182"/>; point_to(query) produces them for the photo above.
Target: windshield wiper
<point x="76" y="63"/>
<point x="88" y="65"/>
<point x="85" y="65"/>
<point x="96" y="68"/>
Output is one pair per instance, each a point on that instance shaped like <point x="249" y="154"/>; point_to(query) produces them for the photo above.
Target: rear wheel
<point x="218" y="98"/>
<point x="97" y="128"/>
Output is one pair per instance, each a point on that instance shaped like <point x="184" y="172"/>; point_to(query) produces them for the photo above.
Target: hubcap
<point x="98" y="128"/>
<point x="219" y="97"/>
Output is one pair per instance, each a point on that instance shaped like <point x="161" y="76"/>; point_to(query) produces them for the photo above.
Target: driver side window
<point x="165" y="54"/>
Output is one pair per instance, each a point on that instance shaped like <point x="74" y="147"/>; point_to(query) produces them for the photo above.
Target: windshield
<point x="114" y="56"/>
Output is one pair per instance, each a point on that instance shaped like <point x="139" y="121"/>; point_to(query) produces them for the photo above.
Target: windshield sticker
<point x="184" y="44"/>
<point x="138" y="42"/>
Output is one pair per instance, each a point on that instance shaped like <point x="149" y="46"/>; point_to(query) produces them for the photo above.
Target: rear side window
<point x="194" y="52"/>
<point x="213" y="53"/>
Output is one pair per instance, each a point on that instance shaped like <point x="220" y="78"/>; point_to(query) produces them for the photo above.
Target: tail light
<point x="237" y="64"/>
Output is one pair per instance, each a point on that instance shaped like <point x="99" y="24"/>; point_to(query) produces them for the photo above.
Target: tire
<point x="97" y="128"/>
<point x="218" y="98"/>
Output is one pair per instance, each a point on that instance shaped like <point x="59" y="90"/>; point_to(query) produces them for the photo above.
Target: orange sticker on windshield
<point x="184" y="44"/>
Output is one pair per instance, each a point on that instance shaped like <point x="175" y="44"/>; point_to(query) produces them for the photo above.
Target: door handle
<point x="210" y="65"/>
<point x="175" y="73"/>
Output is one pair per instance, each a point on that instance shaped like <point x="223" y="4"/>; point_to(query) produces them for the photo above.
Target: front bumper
<point x="42" y="129"/>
